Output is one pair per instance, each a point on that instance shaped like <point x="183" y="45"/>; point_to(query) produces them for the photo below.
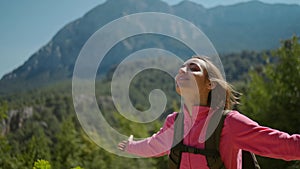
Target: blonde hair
<point x="223" y="94"/>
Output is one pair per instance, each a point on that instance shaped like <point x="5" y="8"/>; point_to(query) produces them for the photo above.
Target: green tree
<point x="3" y="110"/>
<point x="7" y="160"/>
<point x="38" y="147"/>
<point x="68" y="147"/>
<point x="273" y="94"/>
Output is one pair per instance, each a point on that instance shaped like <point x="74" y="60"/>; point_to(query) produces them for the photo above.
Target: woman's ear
<point x="211" y="85"/>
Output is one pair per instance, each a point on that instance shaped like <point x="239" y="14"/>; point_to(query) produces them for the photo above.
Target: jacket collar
<point x="198" y="112"/>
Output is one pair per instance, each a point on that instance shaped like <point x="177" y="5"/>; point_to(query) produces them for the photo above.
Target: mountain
<point x="253" y="25"/>
<point x="245" y="26"/>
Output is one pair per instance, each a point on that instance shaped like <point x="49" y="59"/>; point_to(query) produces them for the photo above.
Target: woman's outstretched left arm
<point x="248" y="135"/>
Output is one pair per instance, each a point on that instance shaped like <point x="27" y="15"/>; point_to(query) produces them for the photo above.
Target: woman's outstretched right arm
<point x="157" y="145"/>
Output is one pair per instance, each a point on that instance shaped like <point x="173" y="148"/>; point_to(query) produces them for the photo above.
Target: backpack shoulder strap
<point x="178" y="129"/>
<point x="213" y="134"/>
<point x="175" y="152"/>
<point x="249" y="160"/>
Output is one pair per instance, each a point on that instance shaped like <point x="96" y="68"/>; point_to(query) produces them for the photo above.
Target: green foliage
<point x="67" y="146"/>
<point x="237" y="65"/>
<point x="296" y="165"/>
<point x="77" y="167"/>
<point x="274" y="90"/>
<point x="38" y="147"/>
<point x="6" y="160"/>
<point x="53" y="133"/>
<point x="3" y="110"/>
<point x="42" y="164"/>
<point x="273" y="94"/>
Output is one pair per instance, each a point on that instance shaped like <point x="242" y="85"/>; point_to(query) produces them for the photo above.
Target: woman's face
<point x="192" y="77"/>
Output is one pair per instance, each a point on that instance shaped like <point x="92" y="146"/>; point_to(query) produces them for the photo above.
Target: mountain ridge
<point x="253" y="26"/>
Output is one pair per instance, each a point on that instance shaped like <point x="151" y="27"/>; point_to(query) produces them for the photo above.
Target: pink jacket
<point x="239" y="132"/>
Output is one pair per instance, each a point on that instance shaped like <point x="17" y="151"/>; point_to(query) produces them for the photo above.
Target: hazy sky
<point x="27" y="25"/>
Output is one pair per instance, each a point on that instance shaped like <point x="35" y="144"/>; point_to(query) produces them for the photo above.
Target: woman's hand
<point x="123" y="144"/>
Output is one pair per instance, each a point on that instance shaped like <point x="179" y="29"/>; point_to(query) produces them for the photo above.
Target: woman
<point x="204" y="92"/>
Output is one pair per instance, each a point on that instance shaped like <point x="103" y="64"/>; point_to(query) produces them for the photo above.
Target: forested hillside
<point x="43" y="125"/>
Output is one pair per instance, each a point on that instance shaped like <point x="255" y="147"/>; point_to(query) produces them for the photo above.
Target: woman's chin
<point x="178" y="90"/>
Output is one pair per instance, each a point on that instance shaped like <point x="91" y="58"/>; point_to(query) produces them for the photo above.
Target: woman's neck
<point x="190" y="106"/>
<point x="193" y="99"/>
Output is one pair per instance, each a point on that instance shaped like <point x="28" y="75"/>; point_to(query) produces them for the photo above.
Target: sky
<point x="28" y="25"/>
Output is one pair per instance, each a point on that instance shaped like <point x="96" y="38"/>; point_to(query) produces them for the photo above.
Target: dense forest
<point x="40" y="129"/>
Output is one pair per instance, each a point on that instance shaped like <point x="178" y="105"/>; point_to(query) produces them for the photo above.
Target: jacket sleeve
<point x="249" y="135"/>
<point x="158" y="144"/>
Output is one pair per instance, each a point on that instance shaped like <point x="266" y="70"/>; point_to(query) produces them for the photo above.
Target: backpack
<point x="211" y="151"/>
